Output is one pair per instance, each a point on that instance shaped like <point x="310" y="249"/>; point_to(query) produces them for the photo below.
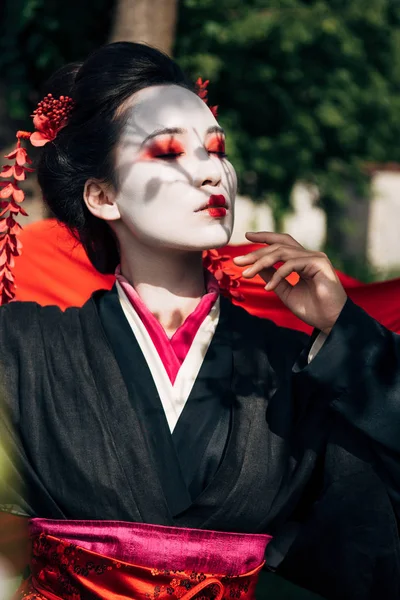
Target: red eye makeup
<point x="163" y="148"/>
<point x="216" y="145"/>
<point x="171" y="148"/>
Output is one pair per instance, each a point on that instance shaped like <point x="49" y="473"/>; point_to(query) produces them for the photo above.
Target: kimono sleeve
<point x="358" y="371"/>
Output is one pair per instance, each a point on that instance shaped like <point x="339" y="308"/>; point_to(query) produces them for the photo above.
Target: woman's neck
<point x="170" y="284"/>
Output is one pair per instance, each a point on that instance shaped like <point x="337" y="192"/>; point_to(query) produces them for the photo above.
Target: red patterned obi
<point x="114" y="560"/>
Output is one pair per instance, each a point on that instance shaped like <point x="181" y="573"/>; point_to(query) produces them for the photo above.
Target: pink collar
<point x="172" y="351"/>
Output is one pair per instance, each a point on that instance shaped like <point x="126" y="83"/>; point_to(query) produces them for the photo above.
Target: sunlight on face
<point x="176" y="187"/>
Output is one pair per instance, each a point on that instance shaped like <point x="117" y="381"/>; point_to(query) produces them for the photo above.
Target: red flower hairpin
<point x="49" y="117"/>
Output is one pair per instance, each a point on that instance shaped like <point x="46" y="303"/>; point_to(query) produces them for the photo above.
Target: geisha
<point x="166" y="443"/>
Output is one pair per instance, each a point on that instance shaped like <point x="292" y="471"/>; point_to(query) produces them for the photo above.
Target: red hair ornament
<point x="48" y="118"/>
<point x="228" y="282"/>
<point x="201" y="88"/>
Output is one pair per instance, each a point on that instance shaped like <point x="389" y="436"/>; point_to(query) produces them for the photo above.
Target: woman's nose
<point x="208" y="172"/>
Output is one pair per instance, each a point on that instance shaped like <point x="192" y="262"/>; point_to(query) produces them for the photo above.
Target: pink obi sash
<point x="82" y="560"/>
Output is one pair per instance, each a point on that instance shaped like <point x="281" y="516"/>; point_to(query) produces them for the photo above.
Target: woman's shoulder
<point x="28" y="322"/>
<point x="27" y="314"/>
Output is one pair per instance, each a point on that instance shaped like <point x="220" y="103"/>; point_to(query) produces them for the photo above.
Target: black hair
<point x="83" y="149"/>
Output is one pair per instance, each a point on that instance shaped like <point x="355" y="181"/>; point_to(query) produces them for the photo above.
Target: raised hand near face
<point x="318" y="297"/>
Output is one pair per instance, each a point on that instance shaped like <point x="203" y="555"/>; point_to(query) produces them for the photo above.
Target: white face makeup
<point x="176" y="188"/>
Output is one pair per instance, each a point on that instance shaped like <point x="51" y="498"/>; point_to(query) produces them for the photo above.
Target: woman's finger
<point x="251" y="257"/>
<point x="271" y="237"/>
<point x="269" y="260"/>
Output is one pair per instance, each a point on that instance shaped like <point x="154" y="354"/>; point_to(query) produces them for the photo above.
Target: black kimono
<point x="266" y="443"/>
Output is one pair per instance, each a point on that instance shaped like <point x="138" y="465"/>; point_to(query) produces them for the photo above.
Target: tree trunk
<point x="149" y="21"/>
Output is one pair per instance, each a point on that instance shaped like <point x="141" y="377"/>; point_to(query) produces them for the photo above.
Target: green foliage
<point x="308" y="89"/>
<point x="39" y="36"/>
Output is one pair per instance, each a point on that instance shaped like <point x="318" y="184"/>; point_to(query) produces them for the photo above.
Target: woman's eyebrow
<point x="164" y="131"/>
<point x="215" y="129"/>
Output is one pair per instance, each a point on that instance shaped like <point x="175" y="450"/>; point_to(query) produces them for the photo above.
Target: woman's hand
<point x="318" y="297"/>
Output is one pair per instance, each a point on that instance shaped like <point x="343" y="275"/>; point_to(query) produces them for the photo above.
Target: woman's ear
<point x="100" y="200"/>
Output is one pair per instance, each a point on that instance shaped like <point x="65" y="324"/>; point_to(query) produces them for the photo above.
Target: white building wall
<point x="384" y="223"/>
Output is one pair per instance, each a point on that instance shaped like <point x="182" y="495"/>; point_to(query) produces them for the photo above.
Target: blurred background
<point x="309" y="93"/>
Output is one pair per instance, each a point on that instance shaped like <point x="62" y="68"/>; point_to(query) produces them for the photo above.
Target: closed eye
<point x="216" y="146"/>
<point x="168" y="155"/>
<point x="220" y="154"/>
<point x="164" y="149"/>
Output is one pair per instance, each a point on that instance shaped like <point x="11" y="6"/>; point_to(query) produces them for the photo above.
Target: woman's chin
<point x="215" y="243"/>
<point x="217" y="239"/>
<point x="200" y="241"/>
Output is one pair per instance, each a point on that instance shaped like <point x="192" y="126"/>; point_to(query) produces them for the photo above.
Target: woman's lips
<point x="217" y="200"/>
<point x="216" y="211"/>
<point x="216" y="206"/>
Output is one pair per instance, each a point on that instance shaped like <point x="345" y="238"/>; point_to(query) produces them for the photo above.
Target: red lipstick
<point x="216" y="206"/>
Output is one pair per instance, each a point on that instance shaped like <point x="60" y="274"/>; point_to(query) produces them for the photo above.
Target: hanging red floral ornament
<point x="49" y="117"/>
<point x="11" y="197"/>
<point x="201" y="88"/>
